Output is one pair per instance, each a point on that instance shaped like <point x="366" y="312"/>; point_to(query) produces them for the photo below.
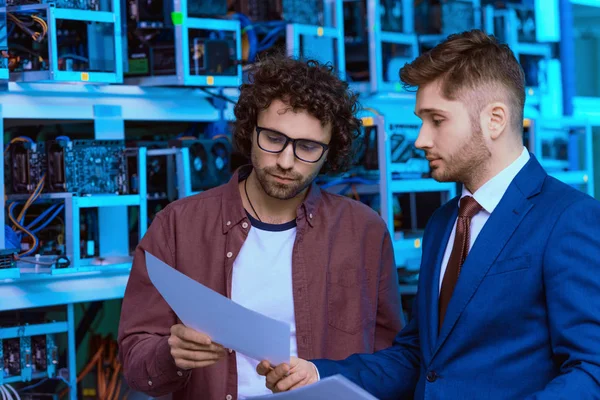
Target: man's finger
<point x="303" y="382"/>
<point x="187" y="364"/>
<point x="263" y="368"/>
<point x="202" y="347"/>
<point x="195" y="355"/>
<point x="290" y="381"/>
<point x="276" y="375"/>
<point x="190" y="335"/>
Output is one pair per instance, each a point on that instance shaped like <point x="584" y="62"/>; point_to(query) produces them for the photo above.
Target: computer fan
<point x="209" y="163"/>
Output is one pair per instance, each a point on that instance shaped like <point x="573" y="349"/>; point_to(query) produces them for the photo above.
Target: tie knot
<point x="469" y="207"/>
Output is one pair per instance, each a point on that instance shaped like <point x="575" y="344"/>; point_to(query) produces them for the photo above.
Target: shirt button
<point x="230" y="351"/>
<point x="149" y="383"/>
<point x="228" y="223"/>
<point x="245" y="225"/>
<point x="432" y="376"/>
<point x="229" y="254"/>
<point x="179" y="373"/>
<point x="310" y="215"/>
<point x="228" y="397"/>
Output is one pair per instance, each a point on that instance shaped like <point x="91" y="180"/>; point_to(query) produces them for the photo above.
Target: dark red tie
<point x="469" y="207"/>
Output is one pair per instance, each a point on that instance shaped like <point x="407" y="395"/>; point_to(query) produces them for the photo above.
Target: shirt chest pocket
<point x="349" y="303"/>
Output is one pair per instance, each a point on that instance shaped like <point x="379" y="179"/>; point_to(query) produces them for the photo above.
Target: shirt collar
<point x="490" y="194"/>
<point x="233" y="211"/>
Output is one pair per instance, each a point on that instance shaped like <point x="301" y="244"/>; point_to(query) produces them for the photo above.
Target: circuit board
<point x="92" y="5"/>
<point x="87" y="167"/>
<point x="11" y="357"/>
<point x="24" y="166"/>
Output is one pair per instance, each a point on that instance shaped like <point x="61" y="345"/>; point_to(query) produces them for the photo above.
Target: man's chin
<point x="440" y="176"/>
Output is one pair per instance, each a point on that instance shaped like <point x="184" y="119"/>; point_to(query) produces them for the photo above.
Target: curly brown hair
<point x="474" y="67"/>
<point x="303" y="85"/>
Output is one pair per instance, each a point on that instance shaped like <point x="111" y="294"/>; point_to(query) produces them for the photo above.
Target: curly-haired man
<point x="271" y="241"/>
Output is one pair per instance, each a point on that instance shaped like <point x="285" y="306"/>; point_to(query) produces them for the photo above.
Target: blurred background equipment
<point x="111" y="110"/>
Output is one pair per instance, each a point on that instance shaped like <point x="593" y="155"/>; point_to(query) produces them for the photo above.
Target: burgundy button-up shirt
<point x="345" y="285"/>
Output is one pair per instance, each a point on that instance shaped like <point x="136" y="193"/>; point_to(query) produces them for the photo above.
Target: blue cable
<point x="34" y="385"/>
<point x="44" y="381"/>
<point x="41" y="216"/>
<point x="45" y="224"/>
<point x="269" y="40"/>
<point x="252" y="39"/>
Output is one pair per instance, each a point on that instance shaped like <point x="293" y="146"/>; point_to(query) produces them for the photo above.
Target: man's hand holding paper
<point x="192" y="349"/>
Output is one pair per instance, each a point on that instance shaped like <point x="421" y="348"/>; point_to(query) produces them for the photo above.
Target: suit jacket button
<point x="432" y="376"/>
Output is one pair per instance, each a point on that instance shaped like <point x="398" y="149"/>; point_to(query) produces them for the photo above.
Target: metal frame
<point x="534" y="95"/>
<point x="184" y="174"/>
<point x="3" y="33"/>
<point x="295" y="32"/>
<point x="183" y="76"/>
<point x="407" y="251"/>
<point x="73" y="206"/>
<point x="573" y="175"/>
<point x="25" y="332"/>
<point x="53" y="74"/>
<point x="377" y="37"/>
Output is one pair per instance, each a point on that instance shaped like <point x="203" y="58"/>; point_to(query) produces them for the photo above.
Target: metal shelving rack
<point x="573" y="163"/>
<point x="103" y="36"/>
<point x="329" y="39"/>
<point x="407" y="247"/>
<point x="185" y="75"/>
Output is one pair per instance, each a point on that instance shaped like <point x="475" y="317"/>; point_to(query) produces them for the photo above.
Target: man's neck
<point x="269" y="209"/>
<point x="491" y="169"/>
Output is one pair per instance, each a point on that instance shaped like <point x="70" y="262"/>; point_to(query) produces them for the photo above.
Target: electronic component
<point x="310" y="12"/>
<point x="44" y="354"/>
<point x="7" y="259"/>
<point x="356" y="40"/>
<point x="24" y="166"/>
<point x="80" y="46"/>
<point x="92" y="5"/>
<point x="258" y="10"/>
<point x="149" y="13"/>
<point x="406" y="161"/>
<point x="153" y="45"/>
<point x="526" y="29"/>
<point x="211" y="55"/>
<point x="391" y="15"/>
<point x="203" y="8"/>
<point x="87" y="166"/>
<point x="434" y="17"/>
<point x="160" y="171"/>
<point x="11" y="356"/>
<point x="209" y="161"/>
<point x="534" y="69"/>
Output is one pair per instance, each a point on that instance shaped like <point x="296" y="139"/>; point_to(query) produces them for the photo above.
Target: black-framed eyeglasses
<point x="306" y="150"/>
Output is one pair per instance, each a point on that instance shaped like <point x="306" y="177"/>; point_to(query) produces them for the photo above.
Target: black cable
<point x="218" y="96"/>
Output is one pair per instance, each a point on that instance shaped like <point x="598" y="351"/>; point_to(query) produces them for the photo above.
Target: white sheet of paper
<point x="224" y="321"/>
<point x="333" y="387"/>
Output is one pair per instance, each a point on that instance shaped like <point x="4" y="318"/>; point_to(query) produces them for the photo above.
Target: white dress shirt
<point x="488" y="196"/>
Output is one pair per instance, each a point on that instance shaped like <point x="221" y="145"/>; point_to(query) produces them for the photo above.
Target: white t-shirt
<point x="262" y="282"/>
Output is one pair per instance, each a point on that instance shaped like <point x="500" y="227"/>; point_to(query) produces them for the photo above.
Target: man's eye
<point x="437" y="122"/>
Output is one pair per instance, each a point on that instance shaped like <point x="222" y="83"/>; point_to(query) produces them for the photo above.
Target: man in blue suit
<point x="508" y="304"/>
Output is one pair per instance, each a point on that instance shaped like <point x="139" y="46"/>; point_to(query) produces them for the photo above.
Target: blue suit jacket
<point x="524" y="319"/>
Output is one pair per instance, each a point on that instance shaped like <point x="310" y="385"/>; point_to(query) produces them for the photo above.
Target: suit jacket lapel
<point x="498" y="230"/>
<point x="431" y="266"/>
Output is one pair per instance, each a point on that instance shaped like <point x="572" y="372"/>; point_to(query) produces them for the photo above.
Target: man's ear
<point x="495" y="119"/>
